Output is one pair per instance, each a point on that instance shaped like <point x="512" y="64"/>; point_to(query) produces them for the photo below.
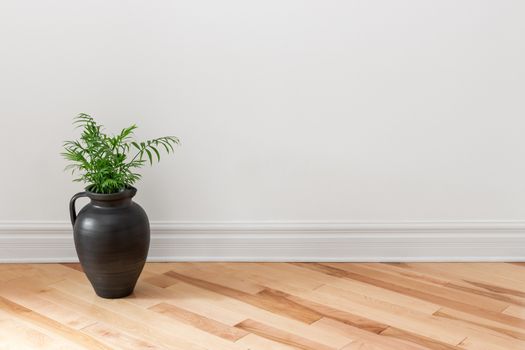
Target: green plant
<point x="107" y="163"/>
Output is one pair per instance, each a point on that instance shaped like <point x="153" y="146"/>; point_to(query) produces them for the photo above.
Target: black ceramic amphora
<point x="112" y="240"/>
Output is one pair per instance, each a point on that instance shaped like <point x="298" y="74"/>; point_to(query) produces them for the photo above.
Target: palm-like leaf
<point x="104" y="162"/>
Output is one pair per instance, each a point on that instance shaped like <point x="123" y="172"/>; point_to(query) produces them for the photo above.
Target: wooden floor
<point x="269" y="306"/>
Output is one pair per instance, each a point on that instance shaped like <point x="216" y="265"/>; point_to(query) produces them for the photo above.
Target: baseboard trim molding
<point x="32" y="242"/>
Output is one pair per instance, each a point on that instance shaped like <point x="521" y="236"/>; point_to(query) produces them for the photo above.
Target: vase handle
<point x="72" y="210"/>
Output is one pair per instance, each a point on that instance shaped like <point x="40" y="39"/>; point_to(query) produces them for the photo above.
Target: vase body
<point x="112" y="237"/>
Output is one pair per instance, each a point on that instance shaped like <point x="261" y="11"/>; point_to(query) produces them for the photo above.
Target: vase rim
<point x="128" y="192"/>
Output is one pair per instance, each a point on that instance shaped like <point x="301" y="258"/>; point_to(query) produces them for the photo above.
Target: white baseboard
<point x="287" y="241"/>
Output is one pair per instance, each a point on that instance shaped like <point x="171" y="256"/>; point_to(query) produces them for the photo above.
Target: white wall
<point x="288" y="110"/>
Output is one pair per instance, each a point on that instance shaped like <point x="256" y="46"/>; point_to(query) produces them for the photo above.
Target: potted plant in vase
<point x="111" y="232"/>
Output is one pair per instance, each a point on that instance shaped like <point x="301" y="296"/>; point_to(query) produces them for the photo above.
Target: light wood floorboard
<point x="269" y="306"/>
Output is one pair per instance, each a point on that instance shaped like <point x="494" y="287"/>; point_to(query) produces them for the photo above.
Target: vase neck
<point x="112" y="200"/>
<point x="111" y="204"/>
